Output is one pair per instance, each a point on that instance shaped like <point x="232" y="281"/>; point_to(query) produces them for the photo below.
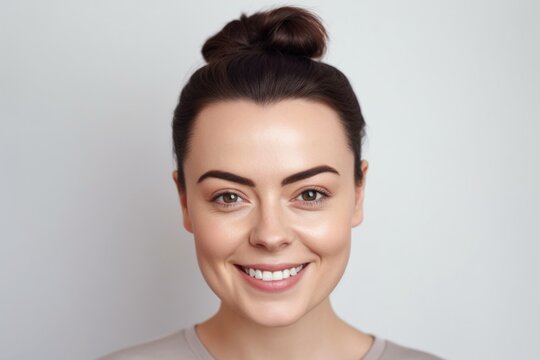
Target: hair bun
<point x="288" y="29"/>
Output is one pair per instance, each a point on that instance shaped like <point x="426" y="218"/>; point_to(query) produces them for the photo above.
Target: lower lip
<point x="273" y="286"/>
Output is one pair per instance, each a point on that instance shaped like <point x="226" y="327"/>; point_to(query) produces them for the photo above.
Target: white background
<point x="93" y="256"/>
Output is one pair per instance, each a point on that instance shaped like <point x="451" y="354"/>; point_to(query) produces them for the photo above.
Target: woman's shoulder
<point x="181" y="344"/>
<point x="383" y="349"/>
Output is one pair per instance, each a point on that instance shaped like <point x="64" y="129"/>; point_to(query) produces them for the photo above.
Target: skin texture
<point x="272" y="223"/>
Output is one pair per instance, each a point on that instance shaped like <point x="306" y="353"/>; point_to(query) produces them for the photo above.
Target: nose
<point x="269" y="229"/>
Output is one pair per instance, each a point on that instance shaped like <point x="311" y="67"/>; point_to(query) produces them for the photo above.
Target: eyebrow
<point x="225" y="175"/>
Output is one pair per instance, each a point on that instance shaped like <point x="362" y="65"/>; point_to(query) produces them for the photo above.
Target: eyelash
<point x="313" y="203"/>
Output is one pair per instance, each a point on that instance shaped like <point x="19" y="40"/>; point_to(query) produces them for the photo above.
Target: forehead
<point x="285" y="136"/>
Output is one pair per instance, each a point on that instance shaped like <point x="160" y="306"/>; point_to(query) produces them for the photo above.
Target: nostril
<point x="271" y="244"/>
<point x="269" y="239"/>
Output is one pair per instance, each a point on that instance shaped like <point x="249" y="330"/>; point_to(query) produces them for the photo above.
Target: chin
<point x="272" y="319"/>
<point x="275" y="315"/>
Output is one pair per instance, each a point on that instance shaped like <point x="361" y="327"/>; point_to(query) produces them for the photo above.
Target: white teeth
<point x="272" y="275"/>
<point x="267" y="276"/>
<point x="277" y="275"/>
<point x="286" y="273"/>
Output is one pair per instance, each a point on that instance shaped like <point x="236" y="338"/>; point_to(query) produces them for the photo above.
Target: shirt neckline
<point x="202" y="353"/>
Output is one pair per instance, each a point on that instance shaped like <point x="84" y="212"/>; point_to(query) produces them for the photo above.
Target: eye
<point x="313" y="197"/>
<point x="309" y="195"/>
<point x="227" y="199"/>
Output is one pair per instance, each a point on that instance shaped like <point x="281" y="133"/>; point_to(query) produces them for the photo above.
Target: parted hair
<point x="266" y="57"/>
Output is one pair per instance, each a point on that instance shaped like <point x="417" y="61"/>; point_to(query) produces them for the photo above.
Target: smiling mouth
<point x="266" y="275"/>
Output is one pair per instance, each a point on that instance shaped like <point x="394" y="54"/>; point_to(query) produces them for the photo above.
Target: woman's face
<point x="270" y="188"/>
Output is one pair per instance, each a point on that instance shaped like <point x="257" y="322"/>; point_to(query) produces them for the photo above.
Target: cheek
<point x="216" y="241"/>
<point x="327" y="235"/>
<point x="217" y="235"/>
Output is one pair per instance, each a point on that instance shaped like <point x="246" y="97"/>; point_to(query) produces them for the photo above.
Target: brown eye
<point x="230" y="197"/>
<point x="309" y="195"/>
<point x="313" y="197"/>
<point x="228" y="200"/>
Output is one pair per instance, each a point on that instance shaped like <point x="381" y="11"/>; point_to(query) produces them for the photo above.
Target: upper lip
<point x="272" y="267"/>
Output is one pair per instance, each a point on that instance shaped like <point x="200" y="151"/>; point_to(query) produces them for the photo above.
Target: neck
<point x="231" y="336"/>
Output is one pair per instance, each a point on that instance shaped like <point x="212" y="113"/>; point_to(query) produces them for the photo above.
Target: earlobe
<point x="358" y="215"/>
<point x="183" y="203"/>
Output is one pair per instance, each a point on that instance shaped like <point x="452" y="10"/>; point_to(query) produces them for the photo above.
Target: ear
<point x="183" y="203"/>
<point x="358" y="215"/>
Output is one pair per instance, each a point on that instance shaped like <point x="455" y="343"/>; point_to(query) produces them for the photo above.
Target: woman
<point x="271" y="182"/>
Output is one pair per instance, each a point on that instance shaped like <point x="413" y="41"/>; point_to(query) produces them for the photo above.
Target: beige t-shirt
<point x="186" y="345"/>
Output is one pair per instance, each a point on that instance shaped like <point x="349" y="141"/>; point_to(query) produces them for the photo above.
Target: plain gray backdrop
<point x="93" y="255"/>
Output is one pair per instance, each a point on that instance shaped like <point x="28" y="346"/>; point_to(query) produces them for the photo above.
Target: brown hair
<point x="267" y="57"/>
